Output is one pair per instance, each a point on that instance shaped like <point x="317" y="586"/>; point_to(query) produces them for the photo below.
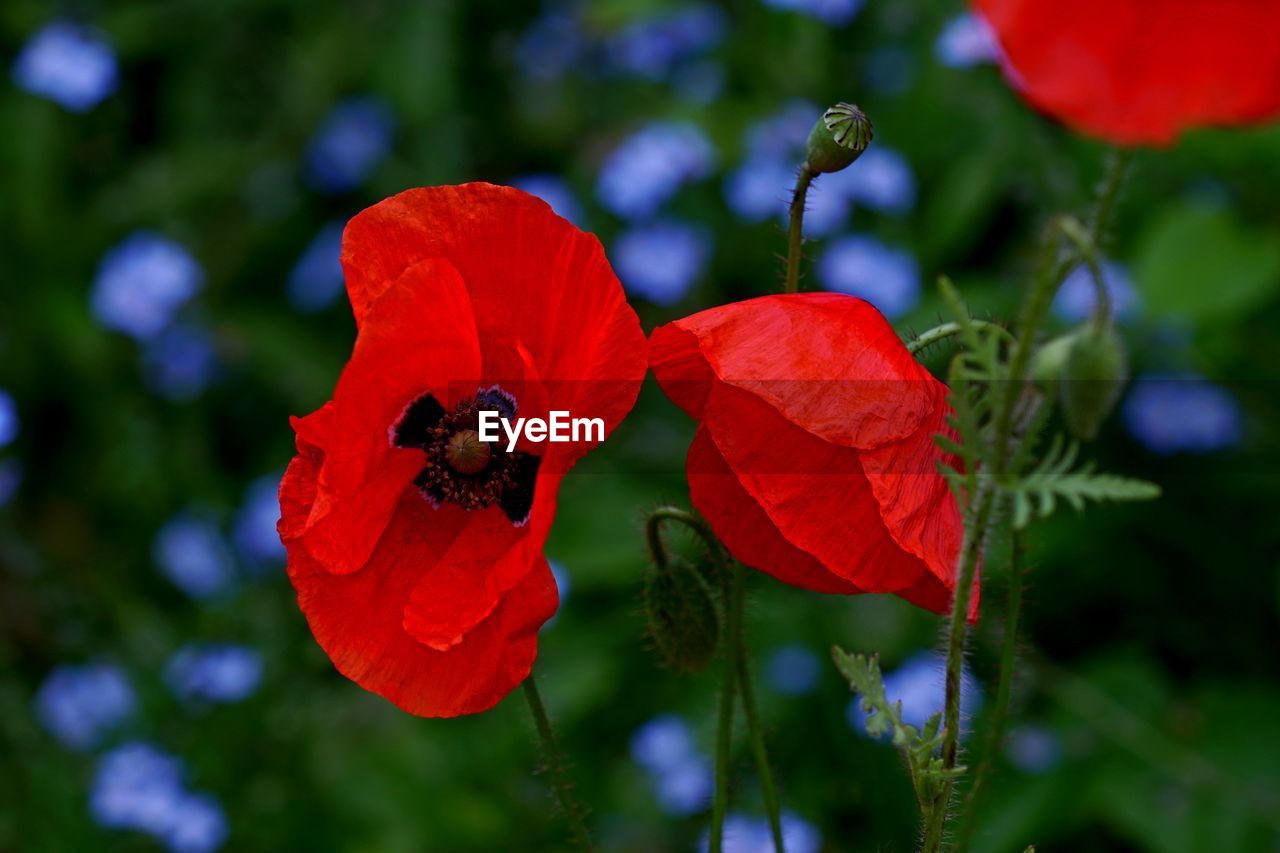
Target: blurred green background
<point x="147" y="381"/>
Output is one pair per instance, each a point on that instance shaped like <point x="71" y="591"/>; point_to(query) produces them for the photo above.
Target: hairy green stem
<point x="943" y="331"/>
<point x="556" y="765"/>
<point x="756" y="733"/>
<point x="732" y="582"/>
<point x="976" y="525"/>
<point x="1004" y="689"/>
<point x="737" y="673"/>
<point x="1051" y="269"/>
<point x="795" y="235"/>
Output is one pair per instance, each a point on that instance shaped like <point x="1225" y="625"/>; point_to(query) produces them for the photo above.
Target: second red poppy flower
<point x="815" y="458"/>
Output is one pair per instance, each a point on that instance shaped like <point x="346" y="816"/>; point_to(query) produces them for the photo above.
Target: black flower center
<point x="461" y="468"/>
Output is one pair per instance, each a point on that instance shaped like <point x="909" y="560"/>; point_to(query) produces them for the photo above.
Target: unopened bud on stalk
<point x="839" y="138"/>
<point x="684" y="619"/>
<point x="1094" y="374"/>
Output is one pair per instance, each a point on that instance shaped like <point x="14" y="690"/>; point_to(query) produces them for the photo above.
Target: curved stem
<point x="756" y="733"/>
<point x="737" y="674"/>
<point x="946" y="330"/>
<point x="1000" y="716"/>
<point x="795" y="235"/>
<point x="556" y="765"/>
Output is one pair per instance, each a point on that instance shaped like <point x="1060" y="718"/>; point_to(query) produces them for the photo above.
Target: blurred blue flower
<point x="661" y="260"/>
<point x="864" y="267"/>
<point x="685" y="788"/>
<point x="792" y="670"/>
<point x="834" y="12"/>
<point x="826" y="209"/>
<point x="255" y="534"/>
<point x="555" y="192"/>
<point x="1033" y="749"/>
<point x="191" y="552"/>
<point x="881" y="179"/>
<point x="351" y="142"/>
<point x="760" y="188"/>
<point x="196" y="825"/>
<point x="550" y="46"/>
<point x="967" y="40"/>
<point x="682" y="776"/>
<point x="140" y="787"/>
<point x="8" y="418"/>
<point x="136" y="786"/>
<point x="316" y="281"/>
<point x="10" y="480"/>
<point x="214" y="673"/>
<point x="652" y="47"/>
<point x="67" y="64"/>
<point x="1182" y="414"/>
<point x="784" y="133"/>
<point x="180" y="362"/>
<point x="662" y="743"/>
<point x="141" y="284"/>
<point x="80" y="704"/>
<point x="743" y="834"/>
<point x="651" y="165"/>
<point x="919" y="685"/>
<point x="1077" y="294"/>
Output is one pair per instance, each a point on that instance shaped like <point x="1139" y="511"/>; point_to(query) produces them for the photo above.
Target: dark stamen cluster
<point x="441" y="480"/>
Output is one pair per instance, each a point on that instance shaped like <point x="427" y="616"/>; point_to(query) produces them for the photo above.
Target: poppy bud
<point x="839" y="138"/>
<point x="684" y="620"/>
<point x="1095" y="372"/>
<point x="1050" y="361"/>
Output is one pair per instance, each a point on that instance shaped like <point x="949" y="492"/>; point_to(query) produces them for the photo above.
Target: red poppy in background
<point x="815" y="458"/>
<point x="1141" y="71"/>
<point x="414" y="548"/>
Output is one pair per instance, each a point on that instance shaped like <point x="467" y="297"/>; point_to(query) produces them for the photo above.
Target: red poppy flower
<point x="815" y="458"/>
<point x="1141" y="71"/>
<point x="415" y="548"/>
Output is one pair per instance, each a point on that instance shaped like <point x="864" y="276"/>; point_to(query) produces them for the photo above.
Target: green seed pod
<point x="1049" y="363"/>
<point x="684" y="620"/>
<point x="839" y="138"/>
<point x="1096" y="370"/>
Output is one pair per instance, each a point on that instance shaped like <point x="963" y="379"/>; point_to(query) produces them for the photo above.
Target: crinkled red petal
<point x="1142" y="71"/>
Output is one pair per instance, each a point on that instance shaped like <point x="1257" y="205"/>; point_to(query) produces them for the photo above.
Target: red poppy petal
<point x="358" y="618"/>
<point x="809" y="489"/>
<point x="915" y="502"/>
<point x="1141" y="71"/>
<point x="533" y="278"/>
<point x="417" y="338"/>
<point x="744" y="528"/>
<point x="827" y="362"/>
<point x="488" y="558"/>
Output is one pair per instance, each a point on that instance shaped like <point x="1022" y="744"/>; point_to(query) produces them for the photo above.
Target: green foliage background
<point x="1161" y="619"/>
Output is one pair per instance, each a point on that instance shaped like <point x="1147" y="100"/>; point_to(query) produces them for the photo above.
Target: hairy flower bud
<point x="684" y="620"/>
<point x="1094" y="374"/>
<point x="839" y="138"/>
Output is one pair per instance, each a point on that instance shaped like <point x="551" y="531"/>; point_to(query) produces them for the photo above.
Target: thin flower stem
<point x="1050" y="271"/>
<point x="976" y="526"/>
<point x="556" y="765"/>
<point x="724" y="728"/>
<point x="795" y="235"/>
<point x="756" y="733"/>
<point x="1000" y="714"/>
<point x="737" y="673"/>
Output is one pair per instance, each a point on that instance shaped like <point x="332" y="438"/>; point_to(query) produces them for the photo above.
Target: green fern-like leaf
<point x="1056" y="478"/>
